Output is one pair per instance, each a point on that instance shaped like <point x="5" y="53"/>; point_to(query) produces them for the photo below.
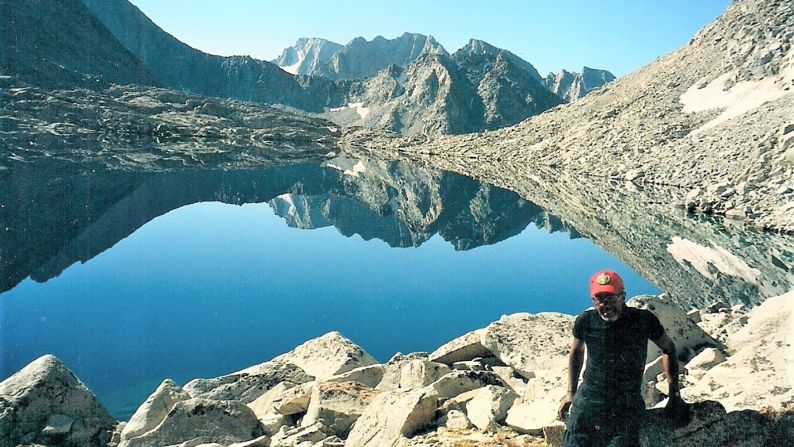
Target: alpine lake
<point x="131" y="277"/>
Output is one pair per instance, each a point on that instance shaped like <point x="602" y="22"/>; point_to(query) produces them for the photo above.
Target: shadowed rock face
<point x="56" y="43"/>
<point x="54" y="214"/>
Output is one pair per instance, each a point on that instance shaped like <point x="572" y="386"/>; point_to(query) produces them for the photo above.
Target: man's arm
<point x="575" y="361"/>
<point x="670" y="364"/>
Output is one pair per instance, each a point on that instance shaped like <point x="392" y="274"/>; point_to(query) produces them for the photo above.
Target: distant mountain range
<point x="409" y="84"/>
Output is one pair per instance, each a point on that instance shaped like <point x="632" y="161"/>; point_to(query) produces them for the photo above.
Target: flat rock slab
<point x="45" y="399"/>
<point x="487" y="410"/>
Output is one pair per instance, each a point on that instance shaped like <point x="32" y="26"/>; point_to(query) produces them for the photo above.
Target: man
<point x="607" y="408"/>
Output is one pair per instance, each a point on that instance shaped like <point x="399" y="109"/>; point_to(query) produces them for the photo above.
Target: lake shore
<point x="499" y="385"/>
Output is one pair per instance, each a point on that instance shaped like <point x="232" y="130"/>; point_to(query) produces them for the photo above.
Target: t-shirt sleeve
<point x="653" y="327"/>
<point x="578" y="327"/>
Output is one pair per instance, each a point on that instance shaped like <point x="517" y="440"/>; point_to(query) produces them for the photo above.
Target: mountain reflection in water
<point x="211" y="314"/>
<point x="52" y="220"/>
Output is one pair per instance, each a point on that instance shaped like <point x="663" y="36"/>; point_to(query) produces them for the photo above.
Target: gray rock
<point x="710" y="426"/>
<point x="687" y="336"/>
<point x="392" y="415"/>
<point x="247" y="385"/>
<point x="464" y="348"/>
<point x="409" y="374"/>
<point x="199" y="421"/>
<point x="299" y="435"/>
<point x="457" y="420"/>
<point x="45" y="399"/>
<point x="488" y="408"/>
<point x="370" y="375"/>
<point x="57" y="425"/>
<point x="571" y="85"/>
<point x="337" y="405"/>
<point x="328" y="355"/>
<point x="458" y="382"/>
<point x="530" y="344"/>
<point x="154" y="409"/>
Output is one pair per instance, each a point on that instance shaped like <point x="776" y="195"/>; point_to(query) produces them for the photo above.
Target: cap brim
<point x="606" y="288"/>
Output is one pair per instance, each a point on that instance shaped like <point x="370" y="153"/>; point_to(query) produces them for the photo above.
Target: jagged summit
<point x="571" y="85"/>
<point x="477" y="46"/>
<point x="306" y="55"/>
<point x="361" y="58"/>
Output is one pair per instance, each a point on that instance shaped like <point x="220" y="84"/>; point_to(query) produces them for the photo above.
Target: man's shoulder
<point x="644" y="314"/>
<point x="587" y="313"/>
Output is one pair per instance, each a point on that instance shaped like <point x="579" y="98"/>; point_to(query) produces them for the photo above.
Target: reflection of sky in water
<point x="210" y="288"/>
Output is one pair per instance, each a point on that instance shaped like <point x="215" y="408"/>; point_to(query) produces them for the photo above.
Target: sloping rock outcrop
<point x="45" y="403"/>
<point x="57" y="44"/>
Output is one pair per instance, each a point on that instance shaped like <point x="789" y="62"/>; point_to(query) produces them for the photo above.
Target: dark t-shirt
<point x="616" y="354"/>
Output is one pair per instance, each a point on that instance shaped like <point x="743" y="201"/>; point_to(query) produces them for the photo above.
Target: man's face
<point x="609" y="306"/>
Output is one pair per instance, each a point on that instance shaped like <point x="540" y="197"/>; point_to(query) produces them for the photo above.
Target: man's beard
<point x="610" y="313"/>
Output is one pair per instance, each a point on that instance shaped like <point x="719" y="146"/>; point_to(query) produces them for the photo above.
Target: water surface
<point x="131" y="278"/>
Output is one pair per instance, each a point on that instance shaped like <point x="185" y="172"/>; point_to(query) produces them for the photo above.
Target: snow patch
<point x="739" y="99"/>
<point x="354" y="169"/>
<point x="293" y="69"/>
<point x="360" y="109"/>
<point x="701" y="257"/>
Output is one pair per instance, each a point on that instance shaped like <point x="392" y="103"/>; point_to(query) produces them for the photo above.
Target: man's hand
<point x="565" y="406"/>
<point x="677" y="410"/>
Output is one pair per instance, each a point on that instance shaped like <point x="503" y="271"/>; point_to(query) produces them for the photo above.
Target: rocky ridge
<point x="177" y="66"/>
<point x="712" y="120"/>
<point x="395" y="84"/>
<point x="499" y="385"/>
<point x="571" y="86"/>
<point x="361" y="58"/>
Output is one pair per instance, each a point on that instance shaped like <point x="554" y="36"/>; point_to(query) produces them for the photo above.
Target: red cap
<point x="605" y="281"/>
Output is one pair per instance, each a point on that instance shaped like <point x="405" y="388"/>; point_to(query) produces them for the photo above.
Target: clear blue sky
<point x="619" y="36"/>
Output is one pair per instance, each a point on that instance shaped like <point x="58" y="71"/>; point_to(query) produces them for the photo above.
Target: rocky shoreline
<point x="499" y="385"/>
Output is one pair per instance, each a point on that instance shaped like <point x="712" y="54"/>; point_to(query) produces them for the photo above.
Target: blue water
<point x="211" y="288"/>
